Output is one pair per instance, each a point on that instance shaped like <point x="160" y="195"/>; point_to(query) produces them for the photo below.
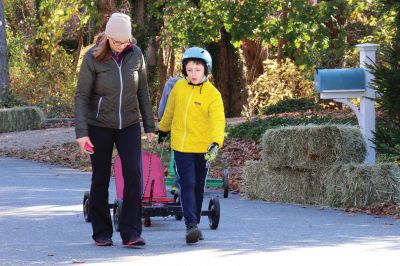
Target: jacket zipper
<point x="120" y="92"/>
<point x="185" y="120"/>
<point x="98" y="107"/>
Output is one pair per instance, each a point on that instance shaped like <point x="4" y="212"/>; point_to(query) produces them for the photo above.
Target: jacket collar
<point x="200" y="84"/>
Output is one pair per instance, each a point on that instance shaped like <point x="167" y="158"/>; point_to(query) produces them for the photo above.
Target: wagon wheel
<point x="147" y="222"/>
<point x="213" y="216"/>
<point x="85" y="204"/>
<point x="117" y="208"/>
<point x="226" y="182"/>
<point x="178" y="215"/>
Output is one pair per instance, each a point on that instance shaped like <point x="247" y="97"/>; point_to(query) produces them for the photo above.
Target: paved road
<point x="41" y="223"/>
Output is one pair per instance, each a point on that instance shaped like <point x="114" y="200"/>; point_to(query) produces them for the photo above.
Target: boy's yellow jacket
<point x="195" y="116"/>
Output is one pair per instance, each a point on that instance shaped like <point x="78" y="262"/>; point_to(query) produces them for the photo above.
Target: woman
<point x="111" y="91"/>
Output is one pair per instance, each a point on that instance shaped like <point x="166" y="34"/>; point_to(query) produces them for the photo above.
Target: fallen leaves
<point x="233" y="155"/>
<point x="383" y="209"/>
<point x="66" y="154"/>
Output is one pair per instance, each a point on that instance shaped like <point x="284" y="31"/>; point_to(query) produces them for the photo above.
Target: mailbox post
<point x="367" y="102"/>
<point x="344" y="84"/>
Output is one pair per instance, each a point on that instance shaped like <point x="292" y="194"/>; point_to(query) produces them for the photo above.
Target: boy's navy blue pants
<point x="192" y="171"/>
<point x="128" y="143"/>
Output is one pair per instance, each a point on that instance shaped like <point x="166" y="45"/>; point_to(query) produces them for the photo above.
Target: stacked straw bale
<point x="21" y="118"/>
<point x="281" y="184"/>
<point x="319" y="165"/>
<point x="361" y="185"/>
<point x="312" y="147"/>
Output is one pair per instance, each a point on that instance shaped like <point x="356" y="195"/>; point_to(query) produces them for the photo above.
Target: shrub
<point x="255" y="129"/>
<point x="40" y="79"/>
<point x="51" y="85"/>
<point x="279" y="81"/>
<point x="292" y="105"/>
<point x="387" y="83"/>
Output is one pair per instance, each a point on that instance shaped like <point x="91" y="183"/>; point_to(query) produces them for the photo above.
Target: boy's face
<point x="195" y="72"/>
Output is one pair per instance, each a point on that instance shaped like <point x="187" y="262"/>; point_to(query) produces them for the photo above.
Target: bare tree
<point x="4" y="78"/>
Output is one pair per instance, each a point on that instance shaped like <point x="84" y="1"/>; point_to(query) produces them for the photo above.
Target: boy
<point x="195" y="117"/>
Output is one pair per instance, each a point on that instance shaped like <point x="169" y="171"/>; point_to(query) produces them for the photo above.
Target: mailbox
<point x="348" y="83"/>
<point x="340" y="80"/>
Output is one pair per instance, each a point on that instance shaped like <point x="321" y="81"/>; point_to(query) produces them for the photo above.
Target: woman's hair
<point x="102" y="51"/>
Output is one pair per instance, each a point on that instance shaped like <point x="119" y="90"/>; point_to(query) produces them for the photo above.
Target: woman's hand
<point x="150" y="137"/>
<point x="82" y="141"/>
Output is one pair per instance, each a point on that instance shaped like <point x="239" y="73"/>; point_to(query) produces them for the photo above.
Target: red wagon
<point x="155" y="201"/>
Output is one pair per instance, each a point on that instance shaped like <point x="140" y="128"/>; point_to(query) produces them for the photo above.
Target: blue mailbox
<point x="344" y="79"/>
<point x="344" y="84"/>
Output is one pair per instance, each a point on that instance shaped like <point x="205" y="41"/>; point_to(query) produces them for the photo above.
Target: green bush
<point x="48" y="83"/>
<point x="280" y="80"/>
<point x="253" y="130"/>
<point x="292" y="105"/>
<point x="387" y="139"/>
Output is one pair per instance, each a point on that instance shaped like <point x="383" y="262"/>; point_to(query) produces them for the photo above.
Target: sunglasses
<point x="118" y="43"/>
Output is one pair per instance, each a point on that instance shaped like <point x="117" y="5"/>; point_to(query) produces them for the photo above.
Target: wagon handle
<point x="149" y="174"/>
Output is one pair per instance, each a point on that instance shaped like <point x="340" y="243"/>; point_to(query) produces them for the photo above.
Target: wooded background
<point x="263" y="51"/>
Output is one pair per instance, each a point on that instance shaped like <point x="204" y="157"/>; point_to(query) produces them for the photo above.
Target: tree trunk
<point x="254" y="54"/>
<point x="139" y="17"/>
<point x="140" y="13"/>
<point x="79" y="48"/>
<point x="282" y="41"/>
<point x="171" y="63"/>
<point x="336" y="49"/>
<point x="4" y="78"/>
<point x="228" y="74"/>
<point x="106" y="8"/>
<point x="147" y="32"/>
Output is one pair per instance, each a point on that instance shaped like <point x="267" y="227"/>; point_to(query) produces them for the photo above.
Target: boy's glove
<point x="162" y="136"/>
<point x="212" y="152"/>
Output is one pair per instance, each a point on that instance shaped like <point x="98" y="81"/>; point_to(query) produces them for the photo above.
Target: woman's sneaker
<point x="103" y="242"/>
<point x="192" y="235"/>
<point x="137" y="241"/>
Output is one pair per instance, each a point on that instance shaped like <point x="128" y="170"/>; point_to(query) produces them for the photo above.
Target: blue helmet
<point x="197" y="53"/>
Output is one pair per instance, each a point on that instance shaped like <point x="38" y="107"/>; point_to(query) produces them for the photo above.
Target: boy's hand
<point x="212" y="152"/>
<point x="162" y="136"/>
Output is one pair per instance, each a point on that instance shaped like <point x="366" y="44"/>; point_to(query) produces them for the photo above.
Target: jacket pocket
<point x="98" y="107"/>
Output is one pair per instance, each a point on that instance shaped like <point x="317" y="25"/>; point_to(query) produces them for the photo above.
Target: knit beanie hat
<point x="119" y="27"/>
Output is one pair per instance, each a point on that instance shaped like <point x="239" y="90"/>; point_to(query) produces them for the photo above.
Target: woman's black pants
<point x="128" y="143"/>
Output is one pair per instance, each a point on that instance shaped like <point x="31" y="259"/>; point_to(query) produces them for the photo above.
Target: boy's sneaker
<point x="103" y="242"/>
<point x="192" y="235"/>
<point x="201" y="235"/>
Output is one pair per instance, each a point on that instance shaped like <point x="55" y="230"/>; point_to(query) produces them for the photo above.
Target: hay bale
<point x="312" y="146"/>
<point x="282" y="185"/>
<point x="21" y="118"/>
<point x="254" y="179"/>
<point x="361" y="185"/>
